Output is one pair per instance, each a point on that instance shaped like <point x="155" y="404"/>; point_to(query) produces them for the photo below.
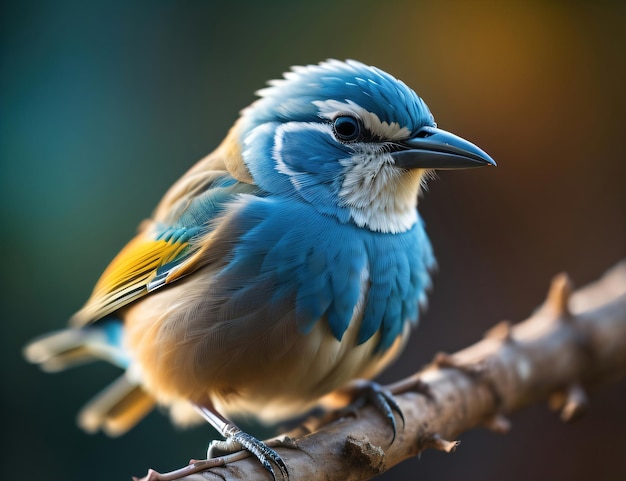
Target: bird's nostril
<point x="422" y="134"/>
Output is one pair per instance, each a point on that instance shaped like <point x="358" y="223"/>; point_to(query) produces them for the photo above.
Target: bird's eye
<point x="347" y="128"/>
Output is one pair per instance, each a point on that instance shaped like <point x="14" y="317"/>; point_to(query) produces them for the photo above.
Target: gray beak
<point x="433" y="148"/>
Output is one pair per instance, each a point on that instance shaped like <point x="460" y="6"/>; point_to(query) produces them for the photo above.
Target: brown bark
<point x="574" y="341"/>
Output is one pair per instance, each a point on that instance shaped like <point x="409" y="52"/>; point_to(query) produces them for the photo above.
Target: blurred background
<point x="104" y="104"/>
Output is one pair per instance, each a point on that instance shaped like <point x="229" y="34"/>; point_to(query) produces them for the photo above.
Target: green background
<point x="104" y="104"/>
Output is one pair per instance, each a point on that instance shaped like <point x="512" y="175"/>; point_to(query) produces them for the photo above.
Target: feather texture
<point x="280" y="267"/>
<point x="288" y="286"/>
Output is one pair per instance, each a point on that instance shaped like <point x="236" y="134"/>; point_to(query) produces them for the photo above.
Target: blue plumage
<point x="294" y="97"/>
<point x="282" y="266"/>
<point x="321" y="262"/>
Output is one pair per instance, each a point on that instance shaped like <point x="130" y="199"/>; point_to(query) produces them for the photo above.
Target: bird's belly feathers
<point x="268" y="369"/>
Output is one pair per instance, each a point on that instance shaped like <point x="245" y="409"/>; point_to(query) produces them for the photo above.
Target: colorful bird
<point x="281" y="267"/>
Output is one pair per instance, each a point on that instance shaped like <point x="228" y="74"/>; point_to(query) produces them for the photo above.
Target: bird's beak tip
<point x="433" y="148"/>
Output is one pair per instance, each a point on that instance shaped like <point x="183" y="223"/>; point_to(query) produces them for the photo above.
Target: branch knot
<point x="361" y="451"/>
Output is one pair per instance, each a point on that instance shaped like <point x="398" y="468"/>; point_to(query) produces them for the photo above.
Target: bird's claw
<point x="261" y="451"/>
<point x="382" y="400"/>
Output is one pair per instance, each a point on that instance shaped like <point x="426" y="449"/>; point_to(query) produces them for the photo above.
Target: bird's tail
<point x="117" y="408"/>
<point x="120" y="405"/>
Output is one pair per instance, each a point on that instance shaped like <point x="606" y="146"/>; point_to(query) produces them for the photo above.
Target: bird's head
<point x="349" y="139"/>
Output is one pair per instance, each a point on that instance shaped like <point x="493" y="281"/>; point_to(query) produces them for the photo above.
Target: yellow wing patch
<point x="127" y="276"/>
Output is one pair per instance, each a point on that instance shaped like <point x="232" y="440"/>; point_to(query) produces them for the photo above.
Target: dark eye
<point x="347" y="128"/>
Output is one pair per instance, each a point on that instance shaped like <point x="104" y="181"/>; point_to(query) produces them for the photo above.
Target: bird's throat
<point x="380" y="196"/>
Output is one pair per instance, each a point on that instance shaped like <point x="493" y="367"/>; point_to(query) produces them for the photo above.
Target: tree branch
<point x="572" y="342"/>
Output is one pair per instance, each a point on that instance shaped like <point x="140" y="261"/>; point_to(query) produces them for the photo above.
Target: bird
<point x="283" y="266"/>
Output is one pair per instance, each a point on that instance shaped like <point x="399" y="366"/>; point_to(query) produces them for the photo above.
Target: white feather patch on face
<point x="331" y="109"/>
<point x="380" y="196"/>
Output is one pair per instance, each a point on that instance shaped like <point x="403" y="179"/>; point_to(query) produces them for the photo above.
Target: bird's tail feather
<point x="120" y="405"/>
<point x="117" y="408"/>
<point x="60" y="350"/>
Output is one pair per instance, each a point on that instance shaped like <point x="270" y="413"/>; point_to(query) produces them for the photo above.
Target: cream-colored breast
<point x="262" y="367"/>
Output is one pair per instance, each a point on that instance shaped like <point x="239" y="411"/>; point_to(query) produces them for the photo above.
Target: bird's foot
<point x="237" y="442"/>
<point x="240" y="440"/>
<point x="379" y="397"/>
